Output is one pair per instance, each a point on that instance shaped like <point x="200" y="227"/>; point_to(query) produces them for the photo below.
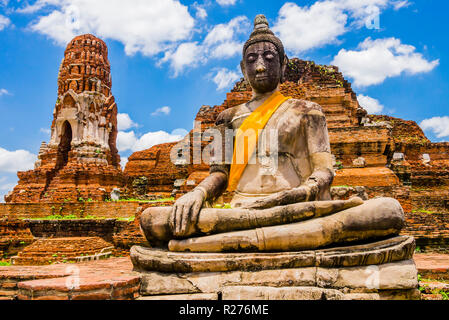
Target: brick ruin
<point x="14" y="235"/>
<point x="81" y="158"/>
<point x="374" y="155"/>
<point x="54" y="250"/>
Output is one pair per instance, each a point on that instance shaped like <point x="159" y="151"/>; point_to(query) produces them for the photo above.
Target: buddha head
<point x="264" y="60"/>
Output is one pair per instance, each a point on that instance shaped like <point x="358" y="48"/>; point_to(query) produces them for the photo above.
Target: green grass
<point x="57" y="217"/>
<point x="74" y="217"/>
<point x="421" y="211"/>
<point x="147" y="201"/>
<point x="61" y="217"/>
<point x="130" y="219"/>
<point x="5" y="264"/>
<point x="223" y="206"/>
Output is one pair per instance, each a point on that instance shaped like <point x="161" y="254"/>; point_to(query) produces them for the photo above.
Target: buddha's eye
<point x="251" y="58"/>
<point x="269" y="55"/>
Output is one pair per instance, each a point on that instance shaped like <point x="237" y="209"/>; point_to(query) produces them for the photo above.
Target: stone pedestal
<point x="375" y="271"/>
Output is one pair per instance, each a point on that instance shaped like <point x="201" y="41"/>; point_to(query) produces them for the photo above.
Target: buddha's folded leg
<point x="154" y="222"/>
<point x="375" y="218"/>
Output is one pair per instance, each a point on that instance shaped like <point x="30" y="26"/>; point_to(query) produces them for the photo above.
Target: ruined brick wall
<point x="103" y="228"/>
<point x="371" y="143"/>
<point x="155" y="165"/>
<point x="14" y="234"/>
<point x="48" y="251"/>
<point x="80" y="210"/>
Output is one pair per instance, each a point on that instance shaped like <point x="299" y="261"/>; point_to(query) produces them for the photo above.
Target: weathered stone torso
<point x="301" y="129"/>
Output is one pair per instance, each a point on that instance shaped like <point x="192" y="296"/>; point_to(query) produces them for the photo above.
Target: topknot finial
<point x="262" y="33"/>
<point x="260" y="22"/>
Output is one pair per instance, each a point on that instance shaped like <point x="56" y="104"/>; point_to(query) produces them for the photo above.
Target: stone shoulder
<point x="226" y="116"/>
<point x="306" y="107"/>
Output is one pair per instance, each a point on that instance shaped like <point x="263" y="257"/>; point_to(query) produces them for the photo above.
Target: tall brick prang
<point x="81" y="158"/>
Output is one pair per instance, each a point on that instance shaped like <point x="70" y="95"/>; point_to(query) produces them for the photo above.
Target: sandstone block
<point x="284" y="293"/>
<point x="398" y="275"/>
<point x="195" y="296"/>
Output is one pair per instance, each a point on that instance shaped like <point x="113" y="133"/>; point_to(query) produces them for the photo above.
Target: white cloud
<point x="129" y="141"/>
<point x="220" y="43"/>
<point x="4" y="92"/>
<point x="371" y="105"/>
<point x="224" y="78"/>
<point x="323" y="22"/>
<point x="123" y="162"/>
<point x="45" y="130"/>
<point x="224" y="3"/>
<point x="145" y="26"/>
<point x="304" y="28"/>
<point x="19" y="160"/>
<point x="164" y="110"/>
<point x="201" y="13"/>
<point x="4" y="22"/>
<point x="32" y="8"/>
<point x="225" y="32"/>
<point x="401" y="4"/>
<point x="438" y="125"/>
<point x="187" y="54"/>
<point x="124" y="122"/>
<point x="125" y="140"/>
<point x="7" y="184"/>
<point x="379" y="59"/>
<point x="153" y="138"/>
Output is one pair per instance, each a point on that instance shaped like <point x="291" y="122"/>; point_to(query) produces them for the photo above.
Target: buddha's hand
<point x="185" y="212"/>
<point x="282" y="198"/>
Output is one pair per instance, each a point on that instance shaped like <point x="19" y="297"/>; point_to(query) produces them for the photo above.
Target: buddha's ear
<point x="242" y="67"/>
<point x="284" y="68"/>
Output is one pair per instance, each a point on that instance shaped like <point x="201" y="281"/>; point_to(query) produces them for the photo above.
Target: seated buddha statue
<point x="285" y="208"/>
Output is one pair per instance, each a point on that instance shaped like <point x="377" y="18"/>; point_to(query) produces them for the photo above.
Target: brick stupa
<point x="81" y="159"/>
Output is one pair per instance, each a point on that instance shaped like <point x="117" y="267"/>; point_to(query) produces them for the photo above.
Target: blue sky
<point x="170" y="57"/>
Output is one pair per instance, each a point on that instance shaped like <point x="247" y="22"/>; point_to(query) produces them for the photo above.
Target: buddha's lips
<point x="262" y="78"/>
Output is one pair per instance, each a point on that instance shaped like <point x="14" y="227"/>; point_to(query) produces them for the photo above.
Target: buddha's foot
<point x="376" y="218"/>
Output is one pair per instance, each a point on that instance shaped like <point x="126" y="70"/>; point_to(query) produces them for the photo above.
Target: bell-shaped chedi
<point x="81" y="159"/>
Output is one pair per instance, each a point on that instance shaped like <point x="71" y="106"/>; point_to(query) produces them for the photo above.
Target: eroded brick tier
<point x="14" y="234"/>
<point x="387" y="156"/>
<point x="53" y="250"/>
<point x="81" y="158"/>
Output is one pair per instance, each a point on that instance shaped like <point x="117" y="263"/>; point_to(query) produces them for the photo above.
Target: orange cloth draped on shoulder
<point x="250" y="129"/>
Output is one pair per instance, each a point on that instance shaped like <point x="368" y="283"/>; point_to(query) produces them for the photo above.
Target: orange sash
<point x="250" y="129"/>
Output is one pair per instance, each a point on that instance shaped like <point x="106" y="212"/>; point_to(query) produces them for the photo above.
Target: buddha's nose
<point x="260" y="67"/>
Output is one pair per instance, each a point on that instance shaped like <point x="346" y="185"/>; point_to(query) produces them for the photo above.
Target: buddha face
<point x="262" y="67"/>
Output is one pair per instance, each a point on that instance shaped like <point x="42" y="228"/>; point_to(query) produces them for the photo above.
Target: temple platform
<point x="382" y="270"/>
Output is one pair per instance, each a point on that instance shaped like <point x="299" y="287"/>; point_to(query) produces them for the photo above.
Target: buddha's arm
<point x="187" y="208"/>
<point x="320" y="155"/>
<point x="317" y="185"/>
<point x="214" y="185"/>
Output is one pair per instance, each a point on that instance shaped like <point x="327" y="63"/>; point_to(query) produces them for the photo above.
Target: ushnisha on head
<point x="264" y="60"/>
